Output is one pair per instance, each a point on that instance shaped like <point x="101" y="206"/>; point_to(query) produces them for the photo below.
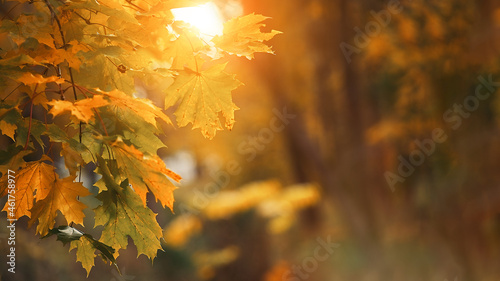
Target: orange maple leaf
<point x="82" y="109"/>
<point x="32" y="183"/>
<point x="62" y="196"/>
<point x="146" y="172"/>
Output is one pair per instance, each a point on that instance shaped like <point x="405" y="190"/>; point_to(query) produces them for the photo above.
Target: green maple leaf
<point x="123" y="215"/>
<point x="85" y="252"/>
<point x="133" y="128"/>
<point x="85" y="245"/>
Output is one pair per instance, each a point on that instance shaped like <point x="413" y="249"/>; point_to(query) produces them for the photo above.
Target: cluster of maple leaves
<point x="77" y="66"/>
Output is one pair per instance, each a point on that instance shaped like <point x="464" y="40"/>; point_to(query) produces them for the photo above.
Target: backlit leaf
<point x="145" y="173"/>
<point x="123" y="215"/>
<point x="62" y="197"/>
<point x="8" y="129"/>
<point x="83" y="110"/>
<point x="201" y="96"/>
<point x="85" y="252"/>
<point x="85" y="245"/>
<point x="33" y="181"/>
<point x="242" y="36"/>
<point x="142" y="107"/>
<point x="29" y="78"/>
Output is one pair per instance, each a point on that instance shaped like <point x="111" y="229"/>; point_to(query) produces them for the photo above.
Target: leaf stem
<point x="95" y="110"/>
<point x="65" y="46"/>
<point x="29" y="125"/>
<point x="11" y="92"/>
<point x="8" y="12"/>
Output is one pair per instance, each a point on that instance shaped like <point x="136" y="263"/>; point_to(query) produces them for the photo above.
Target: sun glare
<point x="207" y="18"/>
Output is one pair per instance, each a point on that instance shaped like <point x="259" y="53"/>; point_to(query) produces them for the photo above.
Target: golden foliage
<point x="181" y="229"/>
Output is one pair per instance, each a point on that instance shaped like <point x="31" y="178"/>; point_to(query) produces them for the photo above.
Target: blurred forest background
<point x="256" y="202"/>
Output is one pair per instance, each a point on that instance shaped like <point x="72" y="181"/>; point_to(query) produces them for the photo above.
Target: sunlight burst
<point x="207" y="18"/>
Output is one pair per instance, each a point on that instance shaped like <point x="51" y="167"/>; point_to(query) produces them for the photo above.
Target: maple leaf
<point x="29" y="78"/>
<point x="9" y="121"/>
<point x="72" y="158"/>
<point x="38" y="82"/>
<point x="242" y="36"/>
<point x="57" y="56"/>
<point x="201" y="96"/>
<point x="182" y="50"/>
<point x="142" y="107"/>
<point x="36" y="131"/>
<point x="12" y="159"/>
<point x="111" y="8"/>
<point x="145" y="172"/>
<point x="82" y="109"/>
<point x="8" y="129"/>
<point x="85" y="252"/>
<point x="85" y="245"/>
<point x="107" y="46"/>
<point x="32" y="183"/>
<point x="63" y="197"/>
<point x="11" y="67"/>
<point x="98" y="71"/>
<point x="123" y="214"/>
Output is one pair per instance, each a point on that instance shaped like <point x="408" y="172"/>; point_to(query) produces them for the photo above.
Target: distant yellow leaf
<point x="277" y="271"/>
<point x="82" y="109"/>
<point x="230" y="202"/>
<point x="8" y="129"/>
<point x="181" y="229"/>
<point x="201" y="96"/>
<point x="242" y="36"/>
<point x="208" y="261"/>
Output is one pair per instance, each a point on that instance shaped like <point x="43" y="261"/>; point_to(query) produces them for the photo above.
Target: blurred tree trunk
<point x="340" y="166"/>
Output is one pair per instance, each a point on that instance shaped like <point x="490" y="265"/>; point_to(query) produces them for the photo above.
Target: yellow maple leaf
<point x="142" y="107"/>
<point x="57" y="56"/>
<point x="63" y="197"/>
<point x="182" y="50"/>
<point x="201" y="96"/>
<point x="242" y="36"/>
<point x="8" y="129"/>
<point x="85" y="252"/>
<point x="38" y="82"/>
<point x="32" y="183"/>
<point x="29" y="78"/>
<point x="82" y="109"/>
<point x="181" y="229"/>
<point x="145" y="173"/>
